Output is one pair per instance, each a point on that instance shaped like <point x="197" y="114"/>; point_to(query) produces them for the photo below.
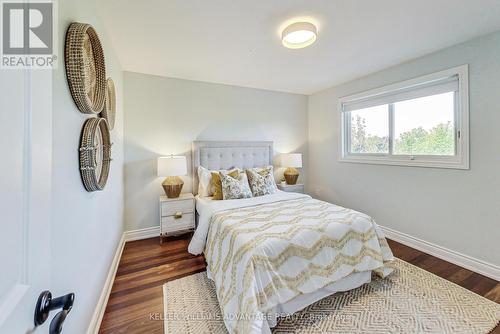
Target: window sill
<point x="455" y="163"/>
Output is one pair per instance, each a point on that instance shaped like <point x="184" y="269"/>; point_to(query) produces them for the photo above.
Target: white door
<point x="25" y="183"/>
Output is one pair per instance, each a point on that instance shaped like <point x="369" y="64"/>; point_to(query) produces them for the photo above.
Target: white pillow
<point x="204" y="177"/>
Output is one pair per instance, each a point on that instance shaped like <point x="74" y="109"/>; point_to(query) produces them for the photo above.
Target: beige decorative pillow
<point x="235" y="188"/>
<point x="261" y="181"/>
<point x="216" y="184"/>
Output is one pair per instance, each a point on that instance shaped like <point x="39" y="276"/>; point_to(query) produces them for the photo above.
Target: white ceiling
<point x="237" y="42"/>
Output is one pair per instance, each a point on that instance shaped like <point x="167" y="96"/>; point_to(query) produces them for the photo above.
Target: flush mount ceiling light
<point x="298" y="35"/>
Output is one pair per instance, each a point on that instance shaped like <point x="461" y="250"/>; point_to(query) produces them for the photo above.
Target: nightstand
<point x="177" y="215"/>
<point x="292" y="188"/>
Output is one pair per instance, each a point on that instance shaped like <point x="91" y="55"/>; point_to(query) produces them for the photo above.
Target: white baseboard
<point x="143" y="233"/>
<point x="95" y="323"/>
<point x="465" y="261"/>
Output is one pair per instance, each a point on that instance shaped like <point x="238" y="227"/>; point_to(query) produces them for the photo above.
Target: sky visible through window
<point x="421" y="126"/>
<point x="425" y="112"/>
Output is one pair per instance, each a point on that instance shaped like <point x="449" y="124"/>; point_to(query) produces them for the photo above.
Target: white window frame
<point x="458" y="161"/>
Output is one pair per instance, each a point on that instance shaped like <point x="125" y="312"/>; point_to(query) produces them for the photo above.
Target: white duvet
<point x="206" y="207"/>
<point x="266" y="253"/>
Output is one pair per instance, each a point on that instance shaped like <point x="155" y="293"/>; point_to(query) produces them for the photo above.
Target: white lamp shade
<point x="291" y="160"/>
<point x="172" y="166"/>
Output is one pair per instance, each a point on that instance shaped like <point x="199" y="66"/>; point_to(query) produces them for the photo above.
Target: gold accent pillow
<point x="265" y="171"/>
<point x="216" y="183"/>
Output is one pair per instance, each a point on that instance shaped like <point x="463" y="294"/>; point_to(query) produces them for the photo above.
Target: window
<point x="419" y="122"/>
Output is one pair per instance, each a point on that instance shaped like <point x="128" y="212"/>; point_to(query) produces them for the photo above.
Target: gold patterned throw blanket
<point x="266" y="255"/>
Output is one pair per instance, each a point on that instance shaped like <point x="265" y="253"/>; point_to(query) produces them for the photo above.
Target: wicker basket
<point x="85" y="68"/>
<point x="109" y="110"/>
<point x="95" y="159"/>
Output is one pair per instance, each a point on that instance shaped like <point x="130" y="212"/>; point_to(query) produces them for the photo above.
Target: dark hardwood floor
<point x="136" y="301"/>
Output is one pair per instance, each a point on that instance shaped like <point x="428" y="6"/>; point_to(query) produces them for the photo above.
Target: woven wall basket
<point x="109" y="110"/>
<point x="95" y="154"/>
<point x="85" y="68"/>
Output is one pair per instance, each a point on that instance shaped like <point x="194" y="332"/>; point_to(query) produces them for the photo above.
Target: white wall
<point x="86" y="227"/>
<point x="456" y="209"/>
<point x="163" y="116"/>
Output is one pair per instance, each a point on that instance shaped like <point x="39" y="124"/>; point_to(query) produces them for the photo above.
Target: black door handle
<point x="57" y="322"/>
<point x="46" y="303"/>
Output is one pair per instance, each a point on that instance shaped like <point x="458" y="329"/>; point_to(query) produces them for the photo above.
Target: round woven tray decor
<point x="109" y="110"/>
<point x="85" y="68"/>
<point x="95" y="154"/>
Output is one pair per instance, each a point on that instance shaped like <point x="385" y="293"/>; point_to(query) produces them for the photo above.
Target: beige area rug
<point x="411" y="300"/>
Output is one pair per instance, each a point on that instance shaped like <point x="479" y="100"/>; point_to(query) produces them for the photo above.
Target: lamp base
<point x="172" y="186"/>
<point x="291" y="175"/>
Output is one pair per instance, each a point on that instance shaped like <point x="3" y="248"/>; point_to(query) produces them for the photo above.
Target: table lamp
<point x="171" y="168"/>
<point x="291" y="161"/>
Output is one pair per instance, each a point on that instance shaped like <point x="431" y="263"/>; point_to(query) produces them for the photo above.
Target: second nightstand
<point x="292" y="188"/>
<point x="177" y="215"/>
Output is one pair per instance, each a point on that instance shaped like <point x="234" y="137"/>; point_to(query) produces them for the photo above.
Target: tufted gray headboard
<point x="215" y="155"/>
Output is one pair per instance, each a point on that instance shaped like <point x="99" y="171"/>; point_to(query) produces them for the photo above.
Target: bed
<point x="273" y="255"/>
